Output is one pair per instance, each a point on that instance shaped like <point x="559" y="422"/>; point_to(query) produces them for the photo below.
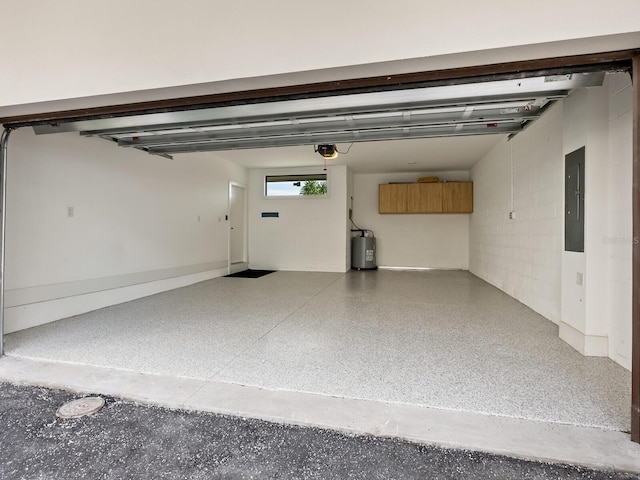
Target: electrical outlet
<point x="69" y="211"/>
<point x="512" y="215"/>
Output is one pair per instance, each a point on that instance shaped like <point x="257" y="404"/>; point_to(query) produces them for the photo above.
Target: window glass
<point x="295" y="185"/>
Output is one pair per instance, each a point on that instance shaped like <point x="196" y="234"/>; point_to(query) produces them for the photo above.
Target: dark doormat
<point x="251" y="274"/>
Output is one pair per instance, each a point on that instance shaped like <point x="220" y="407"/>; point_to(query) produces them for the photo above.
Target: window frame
<point x="302" y="176"/>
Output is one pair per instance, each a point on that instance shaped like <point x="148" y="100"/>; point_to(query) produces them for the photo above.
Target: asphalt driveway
<point x="131" y="441"/>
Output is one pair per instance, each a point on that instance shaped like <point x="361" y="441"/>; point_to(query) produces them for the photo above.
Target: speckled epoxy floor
<point x="442" y="339"/>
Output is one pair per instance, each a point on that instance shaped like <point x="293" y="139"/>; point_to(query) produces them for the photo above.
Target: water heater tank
<point x="363" y="253"/>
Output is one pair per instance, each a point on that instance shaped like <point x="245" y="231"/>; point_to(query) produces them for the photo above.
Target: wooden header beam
<point x="612" y="60"/>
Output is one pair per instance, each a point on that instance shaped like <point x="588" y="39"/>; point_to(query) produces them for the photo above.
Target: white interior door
<point x="237" y="224"/>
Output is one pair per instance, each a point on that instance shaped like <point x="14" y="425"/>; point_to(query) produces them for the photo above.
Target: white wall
<point x="72" y="49"/>
<point x="620" y="219"/>
<point x="584" y="317"/>
<point x="597" y="316"/>
<point x="522" y="256"/>
<point x="412" y="240"/>
<point x="137" y="219"/>
<point x="310" y="233"/>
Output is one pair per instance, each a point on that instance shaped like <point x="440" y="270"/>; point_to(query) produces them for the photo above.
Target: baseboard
<point x="588" y="345"/>
<point x="299" y="268"/>
<point x="380" y="267"/>
<point x="25" y="296"/>
<point x="30" y="315"/>
<point x="238" y="267"/>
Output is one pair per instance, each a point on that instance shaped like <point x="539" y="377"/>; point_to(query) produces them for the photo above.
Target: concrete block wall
<point x="596" y="317"/>
<point x="521" y="255"/>
<point x="525" y="257"/>
<point x="619" y="239"/>
<point x="584" y="274"/>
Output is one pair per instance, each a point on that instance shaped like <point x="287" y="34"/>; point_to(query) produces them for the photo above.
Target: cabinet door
<point x="392" y="198"/>
<point x="424" y="198"/>
<point x="457" y="197"/>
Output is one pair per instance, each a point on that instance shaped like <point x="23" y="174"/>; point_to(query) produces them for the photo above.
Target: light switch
<point x="579" y="278"/>
<point x="69" y="211"/>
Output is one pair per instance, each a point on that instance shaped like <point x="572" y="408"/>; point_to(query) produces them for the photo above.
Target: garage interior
<point x="385" y="336"/>
<point x="120" y="231"/>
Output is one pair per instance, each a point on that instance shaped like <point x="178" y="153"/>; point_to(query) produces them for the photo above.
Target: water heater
<point x="363" y="252"/>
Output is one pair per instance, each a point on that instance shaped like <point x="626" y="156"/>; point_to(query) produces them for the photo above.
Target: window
<point x="295" y="185"/>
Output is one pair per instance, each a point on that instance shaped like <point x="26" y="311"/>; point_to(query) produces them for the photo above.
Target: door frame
<point x="635" y="315"/>
<point x="245" y="240"/>
<point x="624" y="59"/>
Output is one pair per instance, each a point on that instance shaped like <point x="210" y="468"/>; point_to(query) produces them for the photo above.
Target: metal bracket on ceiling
<point x="115" y="140"/>
<point x="526" y="122"/>
<point x="163" y="155"/>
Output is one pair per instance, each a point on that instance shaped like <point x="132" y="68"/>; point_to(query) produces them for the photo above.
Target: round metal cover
<point x="80" y="407"/>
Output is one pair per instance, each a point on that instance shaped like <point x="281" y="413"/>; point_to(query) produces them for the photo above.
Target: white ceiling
<point x="429" y="154"/>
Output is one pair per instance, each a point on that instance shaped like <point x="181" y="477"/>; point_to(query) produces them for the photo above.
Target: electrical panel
<point x="574" y="201"/>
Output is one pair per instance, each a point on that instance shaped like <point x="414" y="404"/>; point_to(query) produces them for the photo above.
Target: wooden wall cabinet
<point x="424" y="198"/>
<point x="392" y="198"/>
<point x="457" y="197"/>
<point x="446" y="197"/>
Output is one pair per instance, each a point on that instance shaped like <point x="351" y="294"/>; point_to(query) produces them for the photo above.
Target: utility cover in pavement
<point x="80" y="407"/>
